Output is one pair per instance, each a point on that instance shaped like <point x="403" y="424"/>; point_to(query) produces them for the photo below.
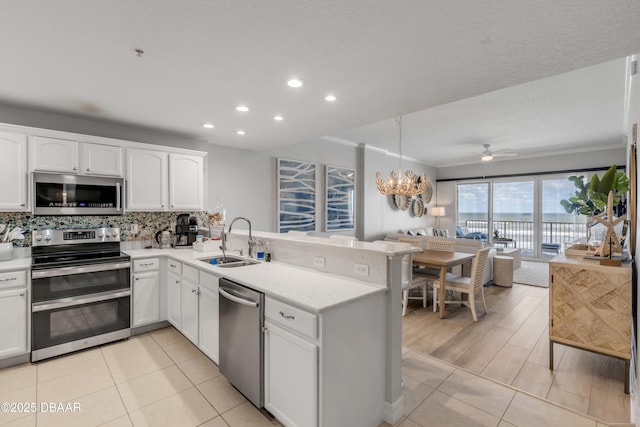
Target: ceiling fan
<point x="488" y="155"/>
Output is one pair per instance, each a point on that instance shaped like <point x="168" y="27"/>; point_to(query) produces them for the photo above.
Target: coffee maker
<point x="186" y="230"/>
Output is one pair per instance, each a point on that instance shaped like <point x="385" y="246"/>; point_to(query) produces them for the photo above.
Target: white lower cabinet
<point x="146" y="292"/>
<point x="14" y="306"/>
<point x="208" y="312"/>
<point x="290" y="377"/>
<point x="189" y="310"/>
<point x="174" y="300"/>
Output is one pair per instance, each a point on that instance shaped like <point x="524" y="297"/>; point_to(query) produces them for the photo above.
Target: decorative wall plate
<point x="427" y="193"/>
<point x="418" y="207"/>
<point x="402" y="202"/>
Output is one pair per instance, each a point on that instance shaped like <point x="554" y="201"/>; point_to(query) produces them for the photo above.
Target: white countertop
<point x="21" y="260"/>
<point x="307" y="289"/>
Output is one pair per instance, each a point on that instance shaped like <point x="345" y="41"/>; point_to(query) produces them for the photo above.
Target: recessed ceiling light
<point x="240" y="132"/>
<point x="278" y="118"/>
<point x="242" y="108"/>
<point x="294" y="83"/>
<point x="330" y="98"/>
<point x="208" y="125"/>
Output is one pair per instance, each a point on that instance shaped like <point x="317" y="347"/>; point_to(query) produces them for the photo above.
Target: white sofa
<point x="461" y="245"/>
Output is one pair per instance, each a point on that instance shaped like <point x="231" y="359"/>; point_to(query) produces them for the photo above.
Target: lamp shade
<point x="438" y="211"/>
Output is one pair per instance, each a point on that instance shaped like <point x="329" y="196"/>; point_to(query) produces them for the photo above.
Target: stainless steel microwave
<point x="55" y="194"/>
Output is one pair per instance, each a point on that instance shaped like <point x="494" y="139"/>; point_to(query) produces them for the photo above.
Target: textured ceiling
<point x="380" y="58"/>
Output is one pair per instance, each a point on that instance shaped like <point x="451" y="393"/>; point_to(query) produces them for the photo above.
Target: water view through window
<point x="524" y="213"/>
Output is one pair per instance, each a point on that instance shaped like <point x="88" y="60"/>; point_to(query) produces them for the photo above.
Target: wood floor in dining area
<point x="510" y="344"/>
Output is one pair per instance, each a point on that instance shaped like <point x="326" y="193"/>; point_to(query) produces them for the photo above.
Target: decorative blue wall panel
<point x="340" y="198"/>
<point x="296" y="196"/>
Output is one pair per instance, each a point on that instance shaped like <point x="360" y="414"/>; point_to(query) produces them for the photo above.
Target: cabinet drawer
<point x="209" y="281"/>
<point x="190" y="273"/>
<point x="174" y="266"/>
<point x="13" y="279"/>
<point x="146" y="264"/>
<point x="291" y="317"/>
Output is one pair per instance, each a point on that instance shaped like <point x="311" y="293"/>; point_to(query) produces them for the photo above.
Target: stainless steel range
<point x="80" y="290"/>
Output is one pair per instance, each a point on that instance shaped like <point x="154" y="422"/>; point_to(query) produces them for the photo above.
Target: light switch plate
<point x="361" y="269"/>
<point x="318" y="261"/>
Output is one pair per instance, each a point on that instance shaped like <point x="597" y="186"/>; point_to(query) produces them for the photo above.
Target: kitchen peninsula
<point x="331" y="334"/>
<point x="343" y="330"/>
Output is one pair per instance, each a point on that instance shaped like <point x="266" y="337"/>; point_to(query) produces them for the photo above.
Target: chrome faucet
<point x="251" y="242"/>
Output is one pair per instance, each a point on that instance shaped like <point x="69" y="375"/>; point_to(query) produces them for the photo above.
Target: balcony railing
<point x="522" y="232"/>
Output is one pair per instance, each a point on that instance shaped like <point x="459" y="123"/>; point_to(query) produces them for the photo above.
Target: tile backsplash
<point x="148" y="223"/>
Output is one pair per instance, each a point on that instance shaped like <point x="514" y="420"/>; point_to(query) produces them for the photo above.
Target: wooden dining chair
<point x="466" y="285"/>
<point x="410" y="282"/>
<point x="445" y="245"/>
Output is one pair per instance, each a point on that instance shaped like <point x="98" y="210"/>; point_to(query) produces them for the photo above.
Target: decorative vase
<point x="6" y="251"/>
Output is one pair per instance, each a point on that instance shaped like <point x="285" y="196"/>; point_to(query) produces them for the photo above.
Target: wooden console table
<point x="590" y="307"/>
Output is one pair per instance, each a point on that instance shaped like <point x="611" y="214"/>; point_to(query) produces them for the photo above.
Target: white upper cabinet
<point x="102" y="159"/>
<point x="156" y="177"/>
<point x="13" y="173"/>
<point x="146" y="180"/>
<point x="185" y="182"/>
<point x="54" y="155"/>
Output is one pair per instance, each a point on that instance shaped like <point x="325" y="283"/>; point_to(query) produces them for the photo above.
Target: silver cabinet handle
<point x="75" y="169"/>
<point x="137" y="278"/>
<point x="22" y="204"/>
<point x="173" y="266"/>
<point x="193" y="291"/>
<point x="146" y="265"/>
<point x="177" y="282"/>
<point x="286" y="316"/>
<point x="9" y="279"/>
<point x="88" y="170"/>
<point x="21" y="294"/>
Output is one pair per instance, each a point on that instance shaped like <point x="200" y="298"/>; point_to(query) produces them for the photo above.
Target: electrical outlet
<point x="361" y="269"/>
<point x="134" y="229"/>
<point x="318" y="261"/>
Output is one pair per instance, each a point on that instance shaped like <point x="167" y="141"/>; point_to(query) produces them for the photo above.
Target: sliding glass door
<point x="521" y="212"/>
<point x="514" y="215"/>
<point x="473" y="207"/>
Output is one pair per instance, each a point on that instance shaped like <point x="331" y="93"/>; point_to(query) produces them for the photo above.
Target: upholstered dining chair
<point x="445" y="245"/>
<point x="466" y="285"/>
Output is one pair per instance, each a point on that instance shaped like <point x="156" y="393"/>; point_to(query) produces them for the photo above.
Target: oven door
<point x="71" y="324"/>
<point x="51" y="284"/>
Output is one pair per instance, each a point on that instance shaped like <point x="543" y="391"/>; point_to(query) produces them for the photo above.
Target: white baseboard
<point x="394" y="411"/>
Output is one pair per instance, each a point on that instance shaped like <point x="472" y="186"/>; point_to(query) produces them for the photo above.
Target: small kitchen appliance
<point x="163" y="238"/>
<point x="186" y="230"/>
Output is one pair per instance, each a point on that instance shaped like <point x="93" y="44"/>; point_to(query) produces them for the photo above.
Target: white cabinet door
<point x="13" y="328"/>
<point x="146" y="180"/>
<point x="190" y="311"/>
<point x="290" y="377"/>
<point x="185" y="182"/>
<point x="102" y="159"/>
<point x="54" y="155"/>
<point x="13" y="172"/>
<point x="146" y="298"/>
<point x="174" y="298"/>
<point x="208" y="327"/>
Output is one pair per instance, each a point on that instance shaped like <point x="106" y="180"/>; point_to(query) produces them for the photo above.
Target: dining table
<point x="442" y="260"/>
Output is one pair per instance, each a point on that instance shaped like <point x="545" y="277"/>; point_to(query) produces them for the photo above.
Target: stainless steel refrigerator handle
<point x="236" y="299"/>
<point x="66" y="271"/>
<point x="79" y="300"/>
<point x="118" y="209"/>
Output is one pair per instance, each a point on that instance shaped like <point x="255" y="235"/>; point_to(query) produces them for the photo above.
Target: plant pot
<point x="6" y="251"/>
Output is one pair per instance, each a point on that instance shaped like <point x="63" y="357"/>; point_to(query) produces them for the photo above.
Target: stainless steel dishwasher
<point x="241" y="339"/>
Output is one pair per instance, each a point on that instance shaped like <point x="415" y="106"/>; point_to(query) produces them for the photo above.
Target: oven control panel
<point x="74" y="236"/>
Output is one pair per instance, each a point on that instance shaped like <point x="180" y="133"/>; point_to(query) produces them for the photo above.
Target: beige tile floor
<point x="161" y="379"/>
<point x="153" y="379"/>
<point x="440" y="394"/>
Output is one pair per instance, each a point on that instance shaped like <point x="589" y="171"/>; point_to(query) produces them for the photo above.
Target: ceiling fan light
<point x="487" y="157"/>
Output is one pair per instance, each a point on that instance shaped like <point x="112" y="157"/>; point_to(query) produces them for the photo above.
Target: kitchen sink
<point x="228" y="262"/>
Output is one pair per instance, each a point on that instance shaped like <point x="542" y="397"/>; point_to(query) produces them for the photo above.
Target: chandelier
<point x="404" y="185"/>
